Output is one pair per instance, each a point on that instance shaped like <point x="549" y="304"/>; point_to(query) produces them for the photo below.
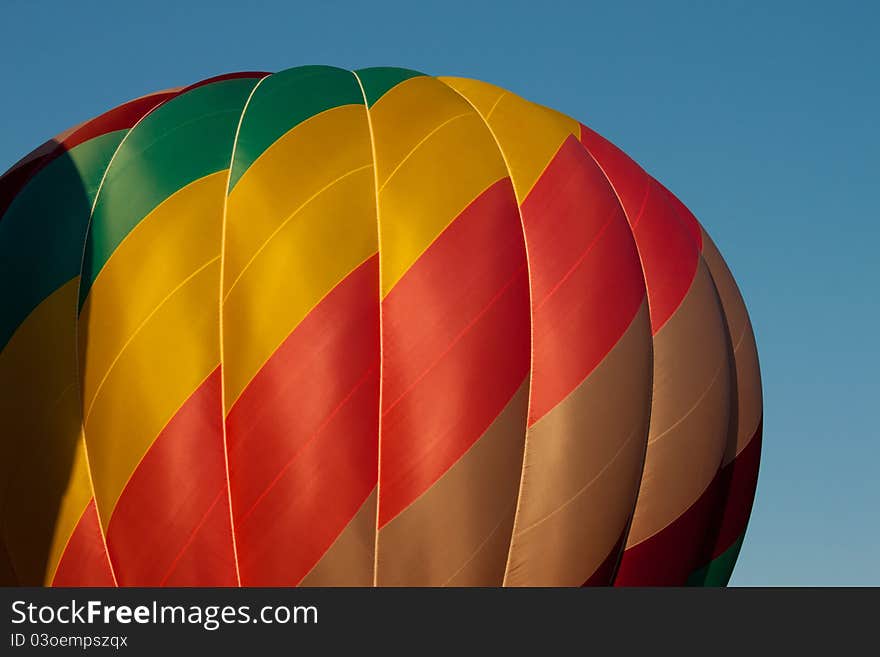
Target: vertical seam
<point x="220" y="304"/>
<point x="631" y="228"/>
<point x="82" y="262"/>
<point x="531" y="320"/>
<point x="381" y="331"/>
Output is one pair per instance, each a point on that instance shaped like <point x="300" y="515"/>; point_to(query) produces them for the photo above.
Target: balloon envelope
<point x="324" y="327"/>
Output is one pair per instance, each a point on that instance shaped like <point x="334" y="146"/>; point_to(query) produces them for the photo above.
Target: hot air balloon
<point x="324" y="327"/>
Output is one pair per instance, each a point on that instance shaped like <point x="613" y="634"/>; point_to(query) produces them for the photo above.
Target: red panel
<point x="226" y="76"/>
<point x="604" y="575"/>
<point x="685" y="216"/>
<point x="455" y="346"/>
<point x="84" y="561"/>
<point x="689" y="543"/>
<point x="586" y="279"/>
<point x="303" y="435"/>
<point x="738" y="481"/>
<point x="665" y="241"/>
<point x="160" y="526"/>
<point x="669" y="556"/>
<point x="204" y="558"/>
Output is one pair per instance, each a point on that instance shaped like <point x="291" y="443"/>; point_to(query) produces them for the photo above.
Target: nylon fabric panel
<point x="455" y="338"/>
<point x="530" y="135"/>
<point x="583" y="464"/>
<point x="691" y="403"/>
<point x="153" y="297"/>
<point x="85" y="561"/>
<point x="149" y="333"/>
<point x="591" y="349"/>
<point x="43" y="493"/>
<point x="42" y="470"/>
<point x="187" y="138"/>
<point x="278" y="210"/>
<point x="42" y="232"/>
<point x="667" y="246"/>
<point x="302" y="379"/>
<point x="434" y="156"/>
<point x="117" y="119"/>
<point x="738" y="478"/>
<point x="303" y="449"/>
<point x="303" y="92"/>
<point x="689" y="425"/>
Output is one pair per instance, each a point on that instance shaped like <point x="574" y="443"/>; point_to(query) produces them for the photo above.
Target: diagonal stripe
<point x="291" y="172"/>
<point x="281" y="251"/>
<point x="349" y="560"/>
<point x="168" y="247"/>
<point x="118" y="119"/>
<point x="582" y="468"/>
<point x="666" y="244"/>
<point x="586" y="282"/>
<point x="302" y="435"/>
<point x="377" y="81"/>
<point x="419" y="143"/>
<point x="585" y="274"/>
<point x="441" y="162"/>
<point x="161" y="513"/>
<point x="294" y="215"/>
<point x="42" y="232"/>
<point x="529" y="150"/>
<point x="85" y="562"/>
<point x="450" y="366"/>
<point x="185" y="139"/>
<point x="138" y="328"/>
<point x="468" y="512"/>
<point x="690" y="414"/>
<point x="739" y="475"/>
<point x="183" y="330"/>
<point x="745" y="352"/>
<point x="302" y="92"/>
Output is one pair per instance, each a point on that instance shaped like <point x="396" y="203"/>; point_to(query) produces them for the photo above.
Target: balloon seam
<point x="516" y="513"/>
<point x="381" y="337"/>
<point x="220" y="299"/>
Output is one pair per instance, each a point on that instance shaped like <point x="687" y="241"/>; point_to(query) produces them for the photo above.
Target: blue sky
<point x="762" y="117"/>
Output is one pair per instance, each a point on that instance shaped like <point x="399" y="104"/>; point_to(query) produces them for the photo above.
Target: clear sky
<point x="762" y="116"/>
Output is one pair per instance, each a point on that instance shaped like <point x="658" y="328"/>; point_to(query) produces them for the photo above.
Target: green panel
<point x="42" y="232"/>
<point x="185" y="139"/>
<point x="283" y="101"/>
<point x="378" y="80"/>
<point x="719" y="570"/>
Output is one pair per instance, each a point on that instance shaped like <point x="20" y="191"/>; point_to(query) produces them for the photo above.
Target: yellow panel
<point x="163" y="364"/>
<point x="405" y="115"/>
<point x="427" y="178"/>
<point x="529" y="134"/>
<point x="175" y="239"/>
<point x="484" y="97"/>
<point x="314" y="249"/>
<point x="44" y="484"/>
<point x="291" y="171"/>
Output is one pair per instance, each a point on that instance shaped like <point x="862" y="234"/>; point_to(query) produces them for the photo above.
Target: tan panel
<point x="748" y="373"/>
<point x="583" y="463"/>
<point x="349" y="561"/>
<point x="453" y="532"/>
<point x="690" y="411"/>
